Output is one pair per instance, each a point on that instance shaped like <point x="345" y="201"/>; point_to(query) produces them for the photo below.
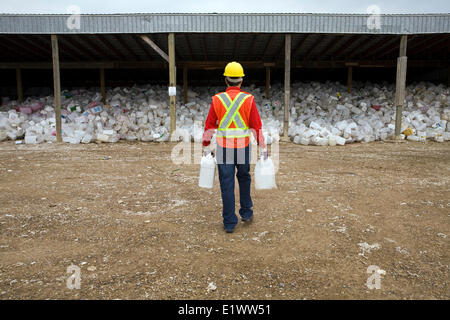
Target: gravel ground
<point x="138" y="227"/>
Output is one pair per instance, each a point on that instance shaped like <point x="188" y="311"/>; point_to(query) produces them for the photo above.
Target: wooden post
<point x="185" y="86"/>
<point x="102" y="84"/>
<point x="56" y="86"/>
<point x="172" y="82"/>
<point x="287" y="84"/>
<point x="400" y="85"/>
<point x="350" y="80"/>
<point x="267" y="82"/>
<point x="19" y="85"/>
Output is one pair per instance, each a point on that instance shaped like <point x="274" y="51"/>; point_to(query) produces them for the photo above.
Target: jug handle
<point x="210" y="152"/>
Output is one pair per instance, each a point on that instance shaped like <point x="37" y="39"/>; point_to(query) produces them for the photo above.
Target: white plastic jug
<point x="207" y="171"/>
<point x="265" y="174"/>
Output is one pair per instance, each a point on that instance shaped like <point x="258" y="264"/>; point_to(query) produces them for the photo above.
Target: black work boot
<point x="248" y="221"/>
<point x="228" y="230"/>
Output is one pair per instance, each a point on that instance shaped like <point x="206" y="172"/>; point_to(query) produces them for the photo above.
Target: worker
<point x="235" y="116"/>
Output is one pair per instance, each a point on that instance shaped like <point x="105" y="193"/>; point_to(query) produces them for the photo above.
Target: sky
<point x="230" y="6"/>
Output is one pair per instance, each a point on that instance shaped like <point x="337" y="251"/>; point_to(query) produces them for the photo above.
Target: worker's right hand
<point x="208" y="150"/>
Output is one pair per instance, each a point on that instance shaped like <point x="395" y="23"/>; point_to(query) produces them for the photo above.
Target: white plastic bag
<point x="265" y="174"/>
<point x="207" y="171"/>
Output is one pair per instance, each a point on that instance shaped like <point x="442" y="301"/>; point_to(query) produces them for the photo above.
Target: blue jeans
<point x="228" y="159"/>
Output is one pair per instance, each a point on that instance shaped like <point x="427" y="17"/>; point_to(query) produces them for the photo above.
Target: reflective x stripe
<point x="232" y="113"/>
<point x="225" y="98"/>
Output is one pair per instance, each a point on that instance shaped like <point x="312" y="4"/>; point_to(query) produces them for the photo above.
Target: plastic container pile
<point x="320" y="114"/>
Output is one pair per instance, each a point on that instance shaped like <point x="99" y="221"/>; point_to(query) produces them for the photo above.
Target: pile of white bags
<point x="324" y="114"/>
<point x="320" y="114"/>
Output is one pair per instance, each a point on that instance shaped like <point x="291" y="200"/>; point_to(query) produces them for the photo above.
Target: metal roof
<point x="224" y="23"/>
<point x="129" y="49"/>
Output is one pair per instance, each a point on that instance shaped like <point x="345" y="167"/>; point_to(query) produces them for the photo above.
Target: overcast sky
<point x="204" y="6"/>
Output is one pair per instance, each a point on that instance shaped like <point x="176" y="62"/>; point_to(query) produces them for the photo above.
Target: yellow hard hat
<point x="234" y="69"/>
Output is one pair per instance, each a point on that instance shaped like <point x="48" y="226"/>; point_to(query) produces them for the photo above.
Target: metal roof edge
<point x="224" y="13"/>
<point x="225" y="22"/>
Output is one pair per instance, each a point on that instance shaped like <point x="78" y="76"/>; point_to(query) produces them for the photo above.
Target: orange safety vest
<point x="233" y="115"/>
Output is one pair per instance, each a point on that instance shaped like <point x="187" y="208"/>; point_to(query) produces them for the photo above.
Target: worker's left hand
<point x="264" y="154"/>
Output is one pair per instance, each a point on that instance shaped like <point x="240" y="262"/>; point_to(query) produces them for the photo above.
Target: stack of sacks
<point x="324" y="111"/>
<point x="320" y="114"/>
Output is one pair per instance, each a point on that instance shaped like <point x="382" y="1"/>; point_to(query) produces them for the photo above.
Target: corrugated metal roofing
<point x="207" y="47"/>
<point x="226" y="23"/>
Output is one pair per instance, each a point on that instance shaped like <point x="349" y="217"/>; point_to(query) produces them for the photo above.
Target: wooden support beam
<point x="267" y="82"/>
<point x="391" y="49"/>
<point x="287" y="85"/>
<point x="56" y="86"/>
<point x="102" y="84"/>
<point x="143" y="47"/>
<point x="172" y="82"/>
<point x="368" y="64"/>
<point x="211" y="65"/>
<point x="185" y="84"/>
<point x="76" y="65"/>
<point x="19" y="85"/>
<point x="350" y="79"/>
<point x="156" y="48"/>
<point x="197" y="65"/>
<point x="160" y="38"/>
<point x="403" y="46"/>
<point x="400" y="88"/>
<point x="422" y="41"/>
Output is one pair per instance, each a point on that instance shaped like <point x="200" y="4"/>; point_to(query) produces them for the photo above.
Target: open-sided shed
<point x="209" y="41"/>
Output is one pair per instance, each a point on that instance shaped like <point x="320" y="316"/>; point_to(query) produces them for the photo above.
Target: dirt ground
<point x="138" y="227"/>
